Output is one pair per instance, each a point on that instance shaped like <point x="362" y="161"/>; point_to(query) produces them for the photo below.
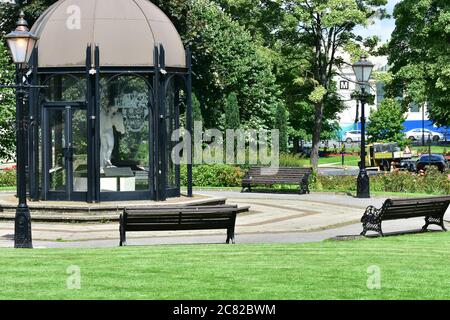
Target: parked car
<point x="436" y="160"/>
<point x="353" y="136"/>
<point x="416" y="134"/>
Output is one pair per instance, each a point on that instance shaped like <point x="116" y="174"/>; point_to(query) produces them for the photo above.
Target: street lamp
<point x="363" y="70"/>
<point x="21" y="43"/>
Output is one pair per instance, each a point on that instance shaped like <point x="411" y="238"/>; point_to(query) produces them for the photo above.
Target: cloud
<point x="381" y="28"/>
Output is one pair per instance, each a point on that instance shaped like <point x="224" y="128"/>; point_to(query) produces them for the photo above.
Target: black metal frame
<point x="158" y="190"/>
<point x="69" y="194"/>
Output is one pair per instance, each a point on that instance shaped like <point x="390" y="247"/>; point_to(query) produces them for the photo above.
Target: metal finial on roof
<point x="22" y="24"/>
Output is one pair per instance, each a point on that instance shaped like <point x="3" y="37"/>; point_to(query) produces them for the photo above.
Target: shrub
<point x="215" y="175"/>
<point x="292" y="160"/>
<point x="7" y="178"/>
<point x="433" y="182"/>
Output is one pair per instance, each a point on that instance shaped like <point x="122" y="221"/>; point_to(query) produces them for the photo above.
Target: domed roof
<point x="125" y="30"/>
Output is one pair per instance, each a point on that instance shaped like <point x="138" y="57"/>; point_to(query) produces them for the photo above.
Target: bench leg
<point x="123" y="239"/>
<point x="123" y="236"/>
<point x="230" y="236"/>
<point x="303" y="189"/>
<point x="372" y="227"/>
<point x="437" y="220"/>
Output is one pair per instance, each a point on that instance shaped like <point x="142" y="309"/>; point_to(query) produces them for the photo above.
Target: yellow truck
<point x="384" y="155"/>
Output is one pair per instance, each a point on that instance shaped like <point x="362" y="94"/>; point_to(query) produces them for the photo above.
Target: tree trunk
<point x="316" y="136"/>
<point x="296" y="142"/>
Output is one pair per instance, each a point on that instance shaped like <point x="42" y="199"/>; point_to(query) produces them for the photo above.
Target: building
<point x="348" y="118"/>
<point x="114" y="82"/>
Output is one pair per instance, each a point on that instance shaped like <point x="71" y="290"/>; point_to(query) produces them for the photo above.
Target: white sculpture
<point x="110" y="117"/>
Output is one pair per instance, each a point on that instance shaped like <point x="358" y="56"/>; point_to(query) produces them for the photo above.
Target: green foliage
<point x="215" y="175"/>
<point x="196" y="109"/>
<point x="225" y="60"/>
<point x="318" y="94"/>
<point x="311" y="36"/>
<point x="9" y="13"/>
<point x="386" y="123"/>
<point x="7" y="178"/>
<point x="292" y="160"/>
<point x="232" y="119"/>
<point x="433" y="182"/>
<point x="419" y="54"/>
<point x="7" y="106"/>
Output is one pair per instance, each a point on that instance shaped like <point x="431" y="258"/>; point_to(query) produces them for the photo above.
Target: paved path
<point x="274" y="218"/>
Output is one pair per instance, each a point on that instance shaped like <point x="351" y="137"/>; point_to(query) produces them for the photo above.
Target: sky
<point x="381" y="28"/>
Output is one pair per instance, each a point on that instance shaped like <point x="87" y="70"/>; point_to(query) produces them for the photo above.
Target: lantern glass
<point x="363" y="70"/>
<point x="21" y="47"/>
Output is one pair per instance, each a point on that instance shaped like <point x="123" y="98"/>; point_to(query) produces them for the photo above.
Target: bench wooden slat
<point x="270" y="176"/>
<point x="428" y="206"/>
<point x="178" y="227"/>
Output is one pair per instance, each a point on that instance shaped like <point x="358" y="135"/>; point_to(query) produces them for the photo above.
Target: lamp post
<point x="363" y="70"/>
<point x="21" y="43"/>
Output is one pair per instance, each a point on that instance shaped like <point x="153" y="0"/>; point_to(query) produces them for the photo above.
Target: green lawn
<point x="434" y="149"/>
<point x="412" y="267"/>
<point x="349" y="161"/>
<point x="7" y="188"/>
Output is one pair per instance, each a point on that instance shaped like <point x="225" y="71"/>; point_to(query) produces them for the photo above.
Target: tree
<point x="386" y="122"/>
<point x="225" y="60"/>
<point x="196" y="109"/>
<point x="419" y="54"/>
<point x="281" y="123"/>
<point x="7" y="106"/>
<point x="325" y="27"/>
<point x="9" y="13"/>
<point x="232" y="118"/>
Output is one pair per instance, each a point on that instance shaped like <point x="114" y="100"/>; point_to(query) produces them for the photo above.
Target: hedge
<point x="433" y="182"/>
<point x="7" y="178"/>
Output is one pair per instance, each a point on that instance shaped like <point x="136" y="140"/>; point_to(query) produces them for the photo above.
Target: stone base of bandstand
<point x="70" y="211"/>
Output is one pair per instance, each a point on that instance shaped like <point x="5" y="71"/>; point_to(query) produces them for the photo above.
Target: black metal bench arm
<point x="371" y="220"/>
<point x="304" y="186"/>
<point x="246" y="185"/>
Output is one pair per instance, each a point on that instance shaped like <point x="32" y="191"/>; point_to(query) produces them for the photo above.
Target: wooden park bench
<point x="433" y="209"/>
<point x="169" y="218"/>
<point x="271" y="176"/>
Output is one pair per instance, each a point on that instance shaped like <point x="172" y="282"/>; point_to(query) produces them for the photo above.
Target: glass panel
<point x="57" y="171"/>
<point x="124" y="134"/>
<point x="65" y="88"/>
<point x="80" y="147"/>
<point x="170" y="127"/>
